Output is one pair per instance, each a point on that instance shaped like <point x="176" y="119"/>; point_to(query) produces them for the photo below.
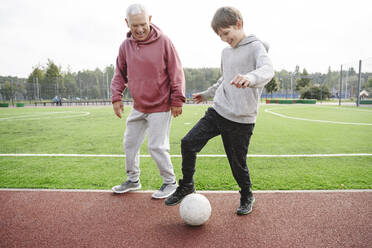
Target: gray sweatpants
<point x="158" y="126"/>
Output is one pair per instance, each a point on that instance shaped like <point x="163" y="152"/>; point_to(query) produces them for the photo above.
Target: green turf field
<point x="281" y="129"/>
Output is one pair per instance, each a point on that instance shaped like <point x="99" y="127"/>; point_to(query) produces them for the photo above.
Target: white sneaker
<point x="165" y="190"/>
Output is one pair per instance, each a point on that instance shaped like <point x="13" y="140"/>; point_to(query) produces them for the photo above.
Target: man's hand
<point x="176" y="111"/>
<point x="197" y="98"/>
<point x="118" y="107"/>
<point x="240" y="81"/>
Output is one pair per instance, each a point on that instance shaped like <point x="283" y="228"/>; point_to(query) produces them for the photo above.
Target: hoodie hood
<point x="251" y="38"/>
<point x="154" y="34"/>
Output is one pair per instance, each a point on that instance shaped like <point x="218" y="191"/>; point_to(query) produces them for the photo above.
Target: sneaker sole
<point x="173" y="204"/>
<point x="124" y="191"/>
<point x="245" y="213"/>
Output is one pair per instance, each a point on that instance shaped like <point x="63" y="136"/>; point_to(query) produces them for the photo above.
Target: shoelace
<point x="180" y="191"/>
<point x="126" y="183"/>
<point x="163" y="187"/>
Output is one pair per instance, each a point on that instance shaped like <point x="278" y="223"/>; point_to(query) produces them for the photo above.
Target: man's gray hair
<point x="136" y="9"/>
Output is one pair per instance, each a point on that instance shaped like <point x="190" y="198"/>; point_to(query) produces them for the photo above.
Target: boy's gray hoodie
<point x="248" y="58"/>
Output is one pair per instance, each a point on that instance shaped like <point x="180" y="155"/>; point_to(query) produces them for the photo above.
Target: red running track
<point x="102" y="219"/>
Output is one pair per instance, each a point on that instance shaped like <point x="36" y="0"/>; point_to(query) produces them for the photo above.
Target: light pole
<point x="107" y="88"/>
<point x="292" y="85"/>
<point x="359" y="75"/>
<point x="339" y="101"/>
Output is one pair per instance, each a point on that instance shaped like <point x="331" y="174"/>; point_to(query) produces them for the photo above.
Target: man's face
<point x="231" y="35"/>
<point x="139" y="26"/>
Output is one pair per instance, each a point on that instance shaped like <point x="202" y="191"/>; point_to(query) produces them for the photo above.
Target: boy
<point x="245" y="68"/>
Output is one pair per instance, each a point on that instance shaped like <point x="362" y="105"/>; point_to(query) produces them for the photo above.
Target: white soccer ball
<point x="195" y="209"/>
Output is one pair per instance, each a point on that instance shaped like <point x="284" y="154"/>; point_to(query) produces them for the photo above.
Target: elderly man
<point x="149" y="66"/>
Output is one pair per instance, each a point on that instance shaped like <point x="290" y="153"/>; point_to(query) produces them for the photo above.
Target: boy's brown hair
<point x="225" y="17"/>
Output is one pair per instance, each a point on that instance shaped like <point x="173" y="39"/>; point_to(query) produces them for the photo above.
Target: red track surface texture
<point x="101" y="219"/>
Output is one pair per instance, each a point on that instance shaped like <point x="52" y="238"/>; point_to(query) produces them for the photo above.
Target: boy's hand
<point x="176" y="111"/>
<point x="118" y="107"/>
<point x="240" y="81"/>
<point x="197" y="98"/>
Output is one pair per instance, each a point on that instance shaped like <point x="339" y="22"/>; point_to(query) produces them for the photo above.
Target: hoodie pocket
<point x="145" y="92"/>
<point x="244" y="104"/>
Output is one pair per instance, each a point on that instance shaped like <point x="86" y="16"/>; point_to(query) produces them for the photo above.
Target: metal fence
<point x="72" y="89"/>
<point x="355" y="81"/>
<point x="351" y="83"/>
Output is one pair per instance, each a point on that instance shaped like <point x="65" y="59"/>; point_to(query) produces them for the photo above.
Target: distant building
<point x="363" y="94"/>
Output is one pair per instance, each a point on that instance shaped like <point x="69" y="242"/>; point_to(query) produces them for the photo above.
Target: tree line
<point x="48" y="81"/>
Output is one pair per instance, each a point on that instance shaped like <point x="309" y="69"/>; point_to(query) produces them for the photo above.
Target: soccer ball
<point x="195" y="209"/>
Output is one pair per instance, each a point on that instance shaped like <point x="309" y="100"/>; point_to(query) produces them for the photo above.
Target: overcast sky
<point x="86" y="34"/>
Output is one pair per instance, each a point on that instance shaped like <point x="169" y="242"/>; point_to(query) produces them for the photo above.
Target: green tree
<point x="109" y="73"/>
<point x="52" y="82"/>
<point x="70" y="85"/>
<point x="12" y="89"/>
<point x="6" y="90"/>
<point x="97" y="86"/>
<point x="368" y="86"/>
<point x="315" y="92"/>
<point x="369" y="83"/>
<point x="36" y="76"/>
<point x="272" y="86"/>
<point x="303" y="81"/>
<point x="200" y="79"/>
<point x="89" y="83"/>
<point x="34" y="81"/>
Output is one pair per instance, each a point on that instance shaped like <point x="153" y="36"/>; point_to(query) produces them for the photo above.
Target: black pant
<point x="235" y="137"/>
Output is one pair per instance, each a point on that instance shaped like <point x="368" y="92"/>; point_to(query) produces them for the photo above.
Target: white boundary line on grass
<point x="198" y="191"/>
<point x="322" y="121"/>
<point x="46" y="115"/>
<point x="199" y="155"/>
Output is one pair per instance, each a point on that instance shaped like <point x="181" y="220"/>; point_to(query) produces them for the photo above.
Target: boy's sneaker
<point x="126" y="186"/>
<point x="246" y="206"/>
<point x="182" y="190"/>
<point x="165" y="190"/>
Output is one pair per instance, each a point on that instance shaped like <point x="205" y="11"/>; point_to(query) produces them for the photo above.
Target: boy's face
<point x="139" y="26"/>
<point x="232" y="35"/>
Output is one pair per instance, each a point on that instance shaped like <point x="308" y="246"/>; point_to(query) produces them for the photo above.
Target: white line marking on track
<point x="199" y="155"/>
<point x="198" y="191"/>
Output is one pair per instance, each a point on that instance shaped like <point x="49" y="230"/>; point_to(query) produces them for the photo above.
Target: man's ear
<point x="126" y="20"/>
<point x="150" y="19"/>
<point x="239" y="24"/>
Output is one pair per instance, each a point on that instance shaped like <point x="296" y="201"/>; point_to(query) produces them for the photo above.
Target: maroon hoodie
<point x="152" y="71"/>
